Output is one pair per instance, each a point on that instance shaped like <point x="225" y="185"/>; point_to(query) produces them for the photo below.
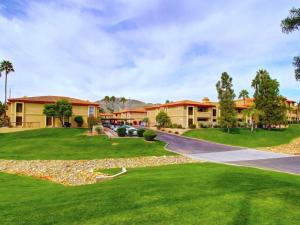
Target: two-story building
<point x="28" y="111"/>
<point x="185" y="112"/>
<point x="133" y="116"/>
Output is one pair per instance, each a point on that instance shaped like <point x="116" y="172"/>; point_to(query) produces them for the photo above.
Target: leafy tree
<point x="61" y="109"/>
<point x="146" y="120"/>
<point x="226" y="98"/>
<point x="50" y="111"/>
<point x="268" y="100"/>
<point x="101" y="110"/>
<point x="2" y="109"/>
<point x="163" y="119"/>
<point x="244" y="94"/>
<point x="298" y="111"/>
<point x="288" y="25"/>
<point x="7" y="68"/>
<point x="253" y="114"/>
<point x="167" y="101"/>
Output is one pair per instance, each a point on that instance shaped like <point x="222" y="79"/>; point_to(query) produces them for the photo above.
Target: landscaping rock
<point x="80" y="172"/>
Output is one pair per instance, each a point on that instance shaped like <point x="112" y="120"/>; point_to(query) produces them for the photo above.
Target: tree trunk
<point x="228" y="130"/>
<point x="5" y="94"/>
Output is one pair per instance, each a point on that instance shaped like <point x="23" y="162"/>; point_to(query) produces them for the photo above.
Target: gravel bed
<point x="81" y="172"/>
<point x="291" y="148"/>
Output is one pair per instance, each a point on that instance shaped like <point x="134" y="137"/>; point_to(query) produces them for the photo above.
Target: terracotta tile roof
<point x="182" y="103"/>
<point x="53" y="99"/>
<point x="106" y="114"/>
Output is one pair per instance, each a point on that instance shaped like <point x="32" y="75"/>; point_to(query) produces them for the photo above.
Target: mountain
<point x="129" y="104"/>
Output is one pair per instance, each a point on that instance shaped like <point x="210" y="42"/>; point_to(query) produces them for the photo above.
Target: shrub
<point x="98" y="130"/>
<point x="130" y="133"/>
<point x="179" y="126"/>
<point x="149" y="135"/>
<point x="79" y="121"/>
<point x="163" y="119"/>
<point x="140" y="132"/>
<point x="192" y="126"/>
<point x="203" y="125"/>
<point x="121" y="131"/>
<point x="169" y="131"/>
<point x="242" y="124"/>
<point x="91" y="122"/>
<point x="176" y="132"/>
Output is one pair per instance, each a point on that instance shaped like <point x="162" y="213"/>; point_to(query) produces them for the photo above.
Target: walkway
<point x="213" y="152"/>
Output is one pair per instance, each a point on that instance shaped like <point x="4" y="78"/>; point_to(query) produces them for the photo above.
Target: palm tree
<point x="106" y="100"/>
<point x="113" y="99"/>
<point x="123" y="100"/>
<point x="244" y="94"/>
<point x="6" y="67"/>
<point x="253" y="114"/>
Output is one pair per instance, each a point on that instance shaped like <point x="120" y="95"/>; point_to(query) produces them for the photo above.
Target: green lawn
<point x="73" y="144"/>
<point x="176" y="194"/>
<point x="243" y="136"/>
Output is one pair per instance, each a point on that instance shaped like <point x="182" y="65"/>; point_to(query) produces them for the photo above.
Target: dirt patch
<point x="80" y="172"/>
<point x="291" y="148"/>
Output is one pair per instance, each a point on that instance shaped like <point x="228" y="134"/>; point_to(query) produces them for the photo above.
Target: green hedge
<point x="149" y="135"/>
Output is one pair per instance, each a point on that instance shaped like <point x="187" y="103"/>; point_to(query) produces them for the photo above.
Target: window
<point x="214" y="112"/>
<point x="191" y="111"/>
<point x="202" y="109"/>
<point x="91" y="110"/>
<point x="19" y="107"/>
<point x="199" y="119"/>
<point x="19" y="121"/>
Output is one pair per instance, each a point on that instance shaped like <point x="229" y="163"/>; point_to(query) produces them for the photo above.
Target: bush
<point x="130" y="133"/>
<point x="121" y="131"/>
<point x="91" y="122"/>
<point x="98" y="130"/>
<point x="179" y="126"/>
<point x="170" y="131"/>
<point x="149" y="135"/>
<point x="192" y="126"/>
<point x="176" y="132"/>
<point x="79" y="121"/>
<point x="203" y="125"/>
<point x="140" y="132"/>
<point x="163" y="119"/>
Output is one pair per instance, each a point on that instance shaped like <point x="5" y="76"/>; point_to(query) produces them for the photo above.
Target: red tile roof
<point x="53" y="99"/>
<point x="182" y="103"/>
<point x="137" y="110"/>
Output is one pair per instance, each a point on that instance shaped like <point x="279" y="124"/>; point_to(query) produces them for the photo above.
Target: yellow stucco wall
<point x="33" y="116"/>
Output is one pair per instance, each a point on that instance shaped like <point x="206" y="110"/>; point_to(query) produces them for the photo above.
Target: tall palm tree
<point x="106" y="100"/>
<point x="113" y="100"/>
<point x="244" y="94"/>
<point x="6" y="67"/>
<point x="123" y="100"/>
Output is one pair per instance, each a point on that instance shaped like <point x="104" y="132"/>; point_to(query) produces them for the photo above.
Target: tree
<point x="298" y="112"/>
<point x="163" y="119"/>
<point x="123" y="100"/>
<point x="50" y="111"/>
<point x="2" y="109"/>
<point x="61" y="109"/>
<point x="6" y="67"/>
<point x="226" y="98"/>
<point x="113" y="100"/>
<point x="146" y="120"/>
<point x="288" y="25"/>
<point x="268" y="100"/>
<point x="253" y="114"/>
<point x="167" y="101"/>
<point x="106" y="100"/>
<point x="244" y="94"/>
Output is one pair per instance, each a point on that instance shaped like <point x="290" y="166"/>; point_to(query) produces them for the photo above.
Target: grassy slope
<point x="178" y="194"/>
<point x="72" y="144"/>
<point x="243" y="136"/>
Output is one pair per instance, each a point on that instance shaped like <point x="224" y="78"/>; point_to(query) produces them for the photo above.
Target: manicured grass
<point x="178" y="194"/>
<point x="244" y="137"/>
<point x="111" y="171"/>
<point x="73" y="144"/>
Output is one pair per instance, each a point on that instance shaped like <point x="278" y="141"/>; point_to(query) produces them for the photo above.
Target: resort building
<point x="133" y="116"/>
<point x="28" y="111"/>
<point x="293" y="114"/>
<point x="186" y="113"/>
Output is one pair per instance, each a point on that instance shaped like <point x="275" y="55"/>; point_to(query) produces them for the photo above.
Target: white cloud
<point x="139" y="49"/>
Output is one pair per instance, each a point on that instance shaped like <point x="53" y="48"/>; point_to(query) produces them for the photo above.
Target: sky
<point x="151" y="50"/>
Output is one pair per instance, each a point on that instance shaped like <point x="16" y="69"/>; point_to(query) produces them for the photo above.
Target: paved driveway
<point x="213" y="152"/>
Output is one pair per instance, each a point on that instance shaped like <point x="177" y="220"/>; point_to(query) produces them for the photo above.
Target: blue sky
<point x="151" y="50"/>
